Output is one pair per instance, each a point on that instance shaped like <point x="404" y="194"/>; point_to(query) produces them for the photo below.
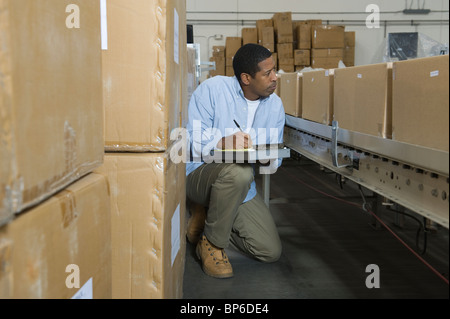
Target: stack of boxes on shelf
<point x="232" y="44"/>
<point x="406" y="101"/>
<point x="282" y="25"/>
<point x="218" y="56"/>
<point x="295" y="44"/>
<point x="327" y="46"/>
<point x="349" y="48"/>
<point x="55" y="216"/>
<point x="71" y="214"/>
<point x="144" y="94"/>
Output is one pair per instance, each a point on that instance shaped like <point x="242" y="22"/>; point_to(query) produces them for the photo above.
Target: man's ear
<point x="245" y="78"/>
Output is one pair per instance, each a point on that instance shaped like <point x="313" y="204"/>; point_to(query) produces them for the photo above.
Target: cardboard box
<point x="142" y="79"/>
<point x="275" y="59"/>
<point x="148" y="224"/>
<point x="39" y="246"/>
<point x="349" y="56"/>
<point x="269" y="46"/>
<point x="229" y="71"/>
<point x="317" y="96"/>
<point x="327" y="36"/>
<point x="282" y="23"/>
<point x="267" y="36"/>
<point x="349" y="39"/>
<point x="285" y="50"/>
<point x="304" y="37"/>
<point x="314" y="21"/>
<point x="286" y="67"/>
<point x="51" y="118"/>
<point x="420" y="102"/>
<point x="302" y="57"/>
<point x="218" y="51"/>
<point x="363" y="99"/>
<point x="232" y="44"/>
<point x="249" y="35"/>
<point x="291" y="92"/>
<point x="260" y="25"/>
<point x="326" y="58"/>
<point x="220" y="66"/>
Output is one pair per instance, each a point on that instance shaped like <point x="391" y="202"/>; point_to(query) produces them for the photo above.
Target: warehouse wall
<point x="227" y="18"/>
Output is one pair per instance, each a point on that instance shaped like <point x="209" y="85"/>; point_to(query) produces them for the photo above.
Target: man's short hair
<point x="248" y="57"/>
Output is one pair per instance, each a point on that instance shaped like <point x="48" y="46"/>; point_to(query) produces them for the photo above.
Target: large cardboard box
<point x="304" y="37"/>
<point x="291" y="92"/>
<point x="148" y="224"/>
<point x="267" y="36"/>
<point x="302" y="57"/>
<point x="142" y="73"/>
<point x="61" y="248"/>
<point x="232" y="44"/>
<point x="420" y="102"/>
<point x="285" y="50"/>
<point x="218" y="51"/>
<point x="349" y="56"/>
<point x="282" y="23"/>
<point x="249" y="35"/>
<point x="326" y="58"/>
<point x="327" y="36"/>
<point x="220" y="66"/>
<point x="260" y="25"/>
<point x="317" y="96"/>
<point x="51" y="119"/>
<point x="363" y="99"/>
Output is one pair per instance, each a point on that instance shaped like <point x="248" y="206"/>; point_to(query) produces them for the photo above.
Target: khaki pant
<point x="222" y="187"/>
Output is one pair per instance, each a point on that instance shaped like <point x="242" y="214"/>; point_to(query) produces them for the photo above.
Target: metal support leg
<point x="266" y="188"/>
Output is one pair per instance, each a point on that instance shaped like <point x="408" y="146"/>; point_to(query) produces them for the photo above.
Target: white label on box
<point x="104" y="24"/>
<point x="85" y="292"/>
<point x="176" y="34"/>
<point x="176" y="222"/>
<point x="434" y="73"/>
<point x="359" y="75"/>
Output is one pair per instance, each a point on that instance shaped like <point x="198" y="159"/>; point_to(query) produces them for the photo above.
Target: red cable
<point x="381" y="222"/>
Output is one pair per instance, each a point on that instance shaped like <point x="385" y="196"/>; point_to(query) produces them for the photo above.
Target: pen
<point x="238" y="125"/>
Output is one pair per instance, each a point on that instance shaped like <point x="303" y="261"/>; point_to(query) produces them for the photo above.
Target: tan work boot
<point x="215" y="262"/>
<point x="196" y="222"/>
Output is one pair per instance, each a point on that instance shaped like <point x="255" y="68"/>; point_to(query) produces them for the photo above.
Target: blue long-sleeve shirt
<point x="214" y="106"/>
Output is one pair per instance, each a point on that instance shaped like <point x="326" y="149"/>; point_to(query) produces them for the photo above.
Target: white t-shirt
<point x="252" y="107"/>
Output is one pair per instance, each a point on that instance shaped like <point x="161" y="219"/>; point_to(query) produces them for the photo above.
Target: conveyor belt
<point x="413" y="176"/>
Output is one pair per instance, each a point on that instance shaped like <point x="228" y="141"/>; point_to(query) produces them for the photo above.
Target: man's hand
<point x="237" y="141"/>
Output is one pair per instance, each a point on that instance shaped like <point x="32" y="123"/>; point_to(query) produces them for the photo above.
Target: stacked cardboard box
<point x="282" y="22"/>
<point x="249" y="35"/>
<point x="144" y="103"/>
<point x="349" y="48"/>
<point x="327" y="45"/>
<point x="218" y="56"/>
<point x="232" y="44"/>
<point x="61" y="248"/>
<point x="290" y="91"/>
<point x="420" y="102"/>
<point x="317" y="96"/>
<point x="363" y="99"/>
<point x="268" y="39"/>
<point x="51" y="125"/>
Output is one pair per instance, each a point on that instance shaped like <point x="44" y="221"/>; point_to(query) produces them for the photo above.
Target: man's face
<point x="264" y="82"/>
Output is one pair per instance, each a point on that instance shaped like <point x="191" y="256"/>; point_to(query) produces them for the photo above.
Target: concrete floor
<point x="327" y="245"/>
